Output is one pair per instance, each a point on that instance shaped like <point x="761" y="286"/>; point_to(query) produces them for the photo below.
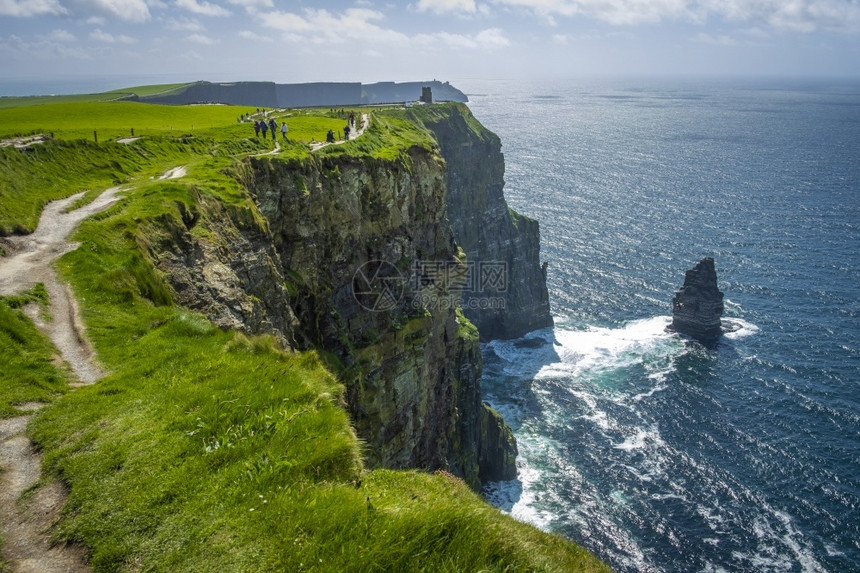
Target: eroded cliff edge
<point x="337" y="258"/>
<point x="492" y="234"/>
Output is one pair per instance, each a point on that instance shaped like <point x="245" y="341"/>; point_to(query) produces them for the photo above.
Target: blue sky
<point x="295" y="41"/>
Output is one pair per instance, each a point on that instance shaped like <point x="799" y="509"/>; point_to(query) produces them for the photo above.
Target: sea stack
<point x="698" y="305"/>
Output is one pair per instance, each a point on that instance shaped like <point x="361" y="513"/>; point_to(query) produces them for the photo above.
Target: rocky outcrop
<point x="220" y="261"/>
<point x="698" y="305"/>
<point x="507" y="294"/>
<point x="353" y="234"/>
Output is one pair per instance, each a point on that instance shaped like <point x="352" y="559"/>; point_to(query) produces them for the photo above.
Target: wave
<point x="564" y="351"/>
<point x="734" y="328"/>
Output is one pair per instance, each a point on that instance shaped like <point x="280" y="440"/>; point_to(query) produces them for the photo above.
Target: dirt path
<point x="25" y="523"/>
<point x="365" y="121"/>
<point x="277" y="149"/>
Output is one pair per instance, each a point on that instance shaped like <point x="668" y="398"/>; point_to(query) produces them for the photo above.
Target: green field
<point x="206" y="450"/>
<point x="91" y="146"/>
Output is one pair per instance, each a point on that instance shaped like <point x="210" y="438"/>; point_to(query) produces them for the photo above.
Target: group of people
<point x="272" y="126"/>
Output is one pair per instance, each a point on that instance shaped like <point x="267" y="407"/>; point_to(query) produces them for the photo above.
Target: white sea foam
<point x="639" y="440"/>
<point x="780" y="545"/>
<point x="735" y="328"/>
<point x="517" y="497"/>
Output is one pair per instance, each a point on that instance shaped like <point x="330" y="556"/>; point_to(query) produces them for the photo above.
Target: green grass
<point x="58" y="169"/>
<point x="74" y="162"/>
<point x="113" y="120"/>
<point x="113" y="95"/>
<point x="29" y="372"/>
<point x="386" y="138"/>
<point x="207" y="450"/>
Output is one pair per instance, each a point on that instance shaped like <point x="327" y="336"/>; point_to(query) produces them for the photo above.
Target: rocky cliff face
<point x="698" y="305"/>
<point x="354" y="236"/>
<point x="220" y="261"/>
<point x="355" y="255"/>
<point x="508" y="295"/>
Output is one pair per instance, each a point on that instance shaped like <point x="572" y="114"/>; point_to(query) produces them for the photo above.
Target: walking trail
<point x="365" y="122"/>
<point x="25" y="523"/>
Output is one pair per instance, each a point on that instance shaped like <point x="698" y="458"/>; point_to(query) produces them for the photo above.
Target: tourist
<point x="273" y="125"/>
<point x="346" y="132"/>
<point x="256" y="128"/>
<point x="329" y="137"/>
<point x="284" y="130"/>
<point x="264" y="128"/>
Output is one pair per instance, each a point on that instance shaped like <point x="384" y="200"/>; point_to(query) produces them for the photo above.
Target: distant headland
<point x="317" y="94"/>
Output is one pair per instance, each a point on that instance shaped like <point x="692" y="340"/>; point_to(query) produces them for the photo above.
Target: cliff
<point x="508" y="295"/>
<point x="345" y="226"/>
<point x="314" y="94"/>
<point x="698" y="305"/>
<point x="343" y="252"/>
<point x="335" y="277"/>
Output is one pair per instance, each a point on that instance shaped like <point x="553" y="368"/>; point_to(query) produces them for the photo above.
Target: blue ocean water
<point x="652" y="451"/>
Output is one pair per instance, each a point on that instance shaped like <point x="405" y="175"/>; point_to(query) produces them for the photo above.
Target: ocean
<point x="652" y="451"/>
<point x="655" y="453"/>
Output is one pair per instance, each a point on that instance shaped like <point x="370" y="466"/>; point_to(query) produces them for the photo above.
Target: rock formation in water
<point x="698" y="305"/>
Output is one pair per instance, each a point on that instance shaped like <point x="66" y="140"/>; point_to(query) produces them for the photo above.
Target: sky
<point x="364" y="40"/>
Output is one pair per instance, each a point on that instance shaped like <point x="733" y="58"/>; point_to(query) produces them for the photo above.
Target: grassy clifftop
<point x="208" y="450"/>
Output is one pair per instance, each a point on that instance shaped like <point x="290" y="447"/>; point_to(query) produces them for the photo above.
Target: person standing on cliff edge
<point x="284" y="130"/>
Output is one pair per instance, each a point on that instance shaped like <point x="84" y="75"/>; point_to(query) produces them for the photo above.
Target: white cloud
<point x="447" y="6"/>
<point x="203" y="8"/>
<point x="184" y="25"/>
<point x="43" y="48"/>
<point x="715" y="40"/>
<point x="130" y="10"/>
<point x="618" y="12"/>
<point x="362" y="25"/>
<point x="252" y="4"/>
<point x="487" y="40"/>
<point x="256" y="36"/>
<point x="100" y="36"/>
<point x="61" y="36"/>
<point x="791" y="15"/>
<point x="323" y="27"/>
<point x="28" y="8"/>
<point x="201" y="39"/>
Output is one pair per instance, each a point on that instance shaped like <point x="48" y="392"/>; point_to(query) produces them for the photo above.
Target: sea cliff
<point x="278" y="328"/>
<point x="333" y="227"/>
<point x="494" y="236"/>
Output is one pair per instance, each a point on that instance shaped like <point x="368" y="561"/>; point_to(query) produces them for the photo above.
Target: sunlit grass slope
<point x="29" y="372"/>
<point x="113" y="95"/>
<point x="168" y="136"/>
<point x="205" y="450"/>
